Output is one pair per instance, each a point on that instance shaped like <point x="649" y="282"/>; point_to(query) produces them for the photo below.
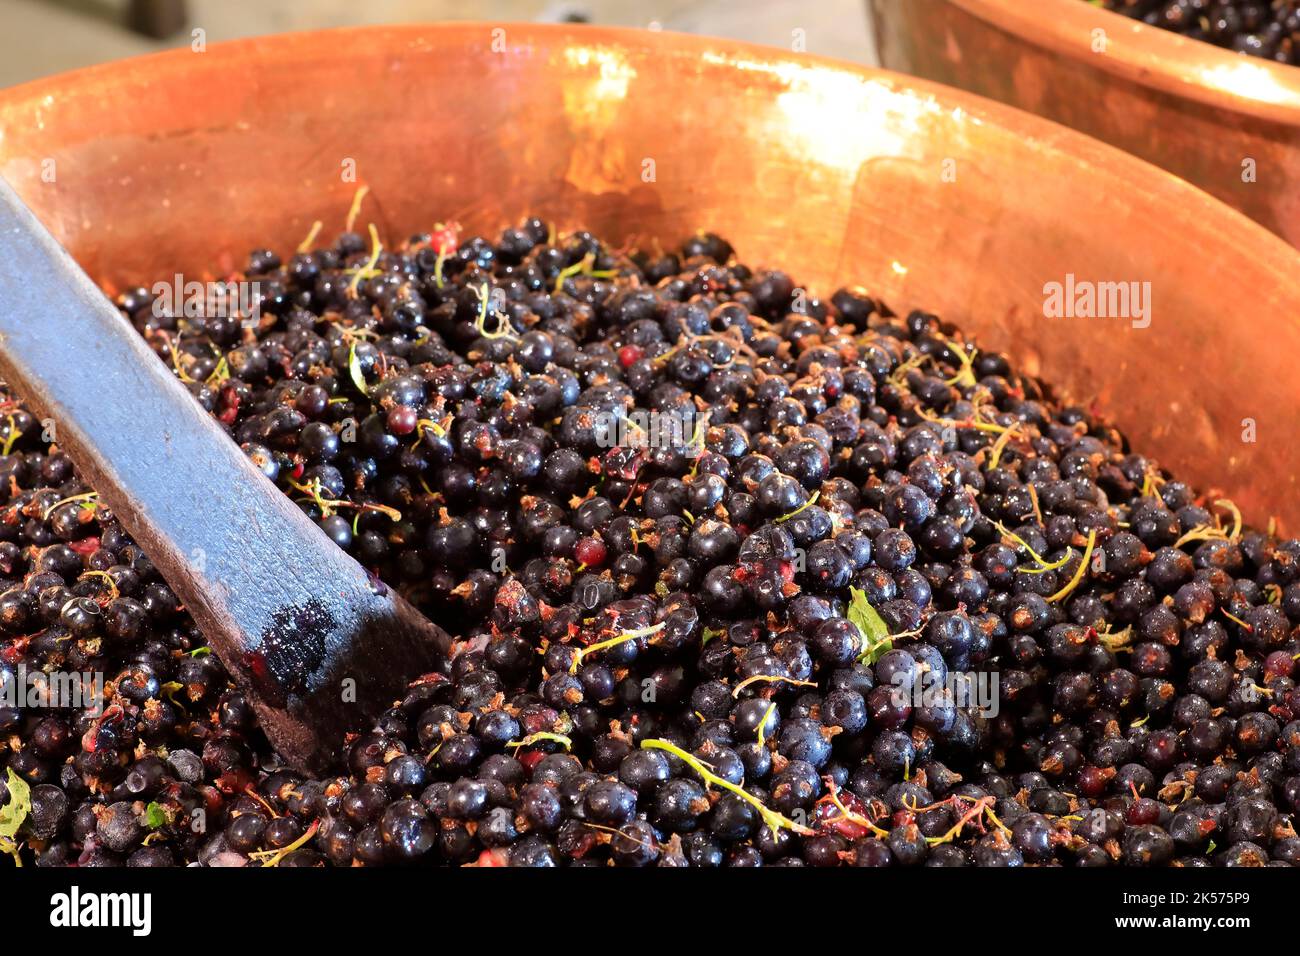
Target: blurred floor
<point x="40" y="37"/>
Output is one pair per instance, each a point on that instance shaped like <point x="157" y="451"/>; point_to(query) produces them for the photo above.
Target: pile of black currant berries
<point x="1263" y="28"/>
<point x="739" y="577"/>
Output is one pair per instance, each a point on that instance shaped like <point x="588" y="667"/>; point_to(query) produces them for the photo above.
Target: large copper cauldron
<point x="1226" y="122"/>
<point x="930" y="197"/>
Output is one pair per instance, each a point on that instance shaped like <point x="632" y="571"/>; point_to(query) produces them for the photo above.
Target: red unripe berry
<point x="629" y="354"/>
<point x="1279" y="664"/>
<point x="590" y="551"/>
<point x="402" y="420"/>
<point x="446" y="240"/>
<point x="531" y="758"/>
<point x="902" y="818"/>
<point x="1095" y="781"/>
<point x="84" y="546"/>
<point x="1142" y="812"/>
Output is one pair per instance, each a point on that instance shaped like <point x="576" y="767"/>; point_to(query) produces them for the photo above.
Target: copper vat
<point x="1226" y="122"/>
<point x="930" y="197"/>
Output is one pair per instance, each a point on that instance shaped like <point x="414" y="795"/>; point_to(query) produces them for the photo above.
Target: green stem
<point x="614" y="642"/>
<point x="774" y="820"/>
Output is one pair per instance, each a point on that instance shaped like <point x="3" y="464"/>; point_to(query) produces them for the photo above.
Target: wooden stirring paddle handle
<point x="318" y="645"/>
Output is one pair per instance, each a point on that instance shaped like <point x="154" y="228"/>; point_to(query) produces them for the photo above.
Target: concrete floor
<point x="41" y="37"/>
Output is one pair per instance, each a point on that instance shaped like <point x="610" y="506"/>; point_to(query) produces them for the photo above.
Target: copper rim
<point x="1151" y="56"/>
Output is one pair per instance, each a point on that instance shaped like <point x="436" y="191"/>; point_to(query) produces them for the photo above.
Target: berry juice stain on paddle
<point x="292" y="650"/>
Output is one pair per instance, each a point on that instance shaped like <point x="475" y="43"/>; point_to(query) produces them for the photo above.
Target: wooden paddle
<point x="319" y="645"/>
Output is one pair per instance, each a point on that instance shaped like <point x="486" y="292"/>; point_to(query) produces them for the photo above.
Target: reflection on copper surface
<point x="840" y="116"/>
<point x="607" y="89"/>
<point x="591" y="104"/>
<point x="1249" y="79"/>
<point x="832" y="118"/>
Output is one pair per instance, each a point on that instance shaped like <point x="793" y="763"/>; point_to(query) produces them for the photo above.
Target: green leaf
<point x="875" y="633"/>
<point x="155" y="816"/>
<point x="710" y="633"/>
<point x="354" y="369"/>
<point x="16" y="808"/>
